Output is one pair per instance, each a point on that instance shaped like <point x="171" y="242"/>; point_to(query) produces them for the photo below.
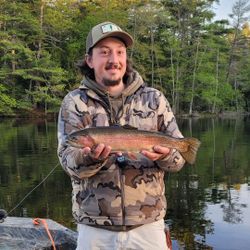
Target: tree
<point x="26" y="64"/>
<point x="238" y="16"/>
<point x="186" y="24"/>
<point x="200" y="65"/>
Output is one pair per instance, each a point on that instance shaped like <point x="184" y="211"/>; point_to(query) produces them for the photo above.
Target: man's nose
<point x="113" y="57"/>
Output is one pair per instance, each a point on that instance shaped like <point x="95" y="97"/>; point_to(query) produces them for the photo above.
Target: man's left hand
<point x="159" y="153"/>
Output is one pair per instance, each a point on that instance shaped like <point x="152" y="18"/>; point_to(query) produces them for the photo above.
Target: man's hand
<point x="100" y="152"/>
<point x="158" y="154"/>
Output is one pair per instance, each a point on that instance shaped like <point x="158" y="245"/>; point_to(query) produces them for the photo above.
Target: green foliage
<point x="6" y="102"/>
<point x="178" y="49"/>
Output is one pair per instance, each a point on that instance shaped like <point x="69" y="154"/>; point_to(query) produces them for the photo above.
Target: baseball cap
<point x="107" y="29"/>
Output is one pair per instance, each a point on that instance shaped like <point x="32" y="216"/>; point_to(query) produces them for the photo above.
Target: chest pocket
<point x="143" y="119"/>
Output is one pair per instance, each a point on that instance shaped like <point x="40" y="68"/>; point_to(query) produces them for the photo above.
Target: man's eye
<point x="104" y="52"/>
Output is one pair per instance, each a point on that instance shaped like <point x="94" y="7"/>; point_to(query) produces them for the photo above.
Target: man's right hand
<point x="99" y="153"/>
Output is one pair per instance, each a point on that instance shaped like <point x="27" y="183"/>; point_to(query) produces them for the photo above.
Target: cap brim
<point x="124" y="36"/>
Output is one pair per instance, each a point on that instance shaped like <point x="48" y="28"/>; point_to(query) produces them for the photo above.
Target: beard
<point x="111" y="83"/>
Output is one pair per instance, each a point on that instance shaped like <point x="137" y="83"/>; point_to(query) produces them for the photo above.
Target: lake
<point x="208" y="203"/>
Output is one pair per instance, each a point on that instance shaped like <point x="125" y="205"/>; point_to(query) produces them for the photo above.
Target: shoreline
<point x="196" y="115"/>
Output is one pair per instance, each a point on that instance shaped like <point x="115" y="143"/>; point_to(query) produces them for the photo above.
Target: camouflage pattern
<point x="103" y="192"/>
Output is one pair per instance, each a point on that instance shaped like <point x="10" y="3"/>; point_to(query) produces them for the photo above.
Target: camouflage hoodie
<point x="105" y="193"/>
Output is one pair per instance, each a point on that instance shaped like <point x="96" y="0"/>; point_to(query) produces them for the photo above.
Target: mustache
<point x="112" y="66"/>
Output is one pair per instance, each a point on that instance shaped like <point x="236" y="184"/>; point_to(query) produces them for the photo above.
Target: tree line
<point x="201" y="64"/>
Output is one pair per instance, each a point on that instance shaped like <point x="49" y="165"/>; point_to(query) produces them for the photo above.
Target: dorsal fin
<point x="127" y="126"/>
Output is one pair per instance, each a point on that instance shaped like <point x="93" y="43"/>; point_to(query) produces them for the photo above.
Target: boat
<point x="18" y="233"/>
<point x="27" y="233"/>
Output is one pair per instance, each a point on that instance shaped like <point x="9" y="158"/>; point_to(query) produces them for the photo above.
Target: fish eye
<point x="73" y="138"/>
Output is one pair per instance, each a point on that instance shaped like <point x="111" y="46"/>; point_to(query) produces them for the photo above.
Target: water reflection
<point x="221" y="171"/>
<point x="208" y="203"/>
<point x="27" y="155"/>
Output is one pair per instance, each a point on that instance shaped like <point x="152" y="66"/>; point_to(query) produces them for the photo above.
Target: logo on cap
<point x="109" y="28"/>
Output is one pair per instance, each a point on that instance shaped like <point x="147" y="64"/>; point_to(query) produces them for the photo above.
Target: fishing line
<point x="39" y="184"/>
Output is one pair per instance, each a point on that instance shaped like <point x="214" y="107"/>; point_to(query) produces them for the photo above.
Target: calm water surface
<point x="208" y="203"/>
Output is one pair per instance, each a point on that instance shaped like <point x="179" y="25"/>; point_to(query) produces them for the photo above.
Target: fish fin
<point x="115" y="125"/>
<point x="190" y="154"/>
<point x="127" y="126"/>
<point x="132" y="156"/>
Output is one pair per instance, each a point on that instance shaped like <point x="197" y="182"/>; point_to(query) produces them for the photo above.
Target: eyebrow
<point x="105" y="46"/>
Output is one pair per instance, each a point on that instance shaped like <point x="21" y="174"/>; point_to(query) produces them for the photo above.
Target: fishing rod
<point x="4" y="214"/>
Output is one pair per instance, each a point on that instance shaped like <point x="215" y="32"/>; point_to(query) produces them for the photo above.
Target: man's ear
<point x="88" y="60"/>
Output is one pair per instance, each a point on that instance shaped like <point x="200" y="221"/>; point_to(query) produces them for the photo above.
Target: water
<point x="208" y="203"/>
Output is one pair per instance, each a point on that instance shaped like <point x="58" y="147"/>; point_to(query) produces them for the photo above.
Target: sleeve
<point x="73" y="115"/>
<point x="167" y="124"/>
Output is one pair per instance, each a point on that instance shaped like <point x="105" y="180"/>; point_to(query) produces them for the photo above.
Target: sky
<point x="223" y="9"/>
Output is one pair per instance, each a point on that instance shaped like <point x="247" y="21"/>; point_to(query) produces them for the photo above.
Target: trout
<point x="129" y="139"/>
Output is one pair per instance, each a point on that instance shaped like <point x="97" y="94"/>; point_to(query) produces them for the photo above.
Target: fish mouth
<point x="72" y="143"/>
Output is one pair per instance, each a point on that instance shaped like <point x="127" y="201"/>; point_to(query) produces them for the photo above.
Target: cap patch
<point x="109" y="28"/>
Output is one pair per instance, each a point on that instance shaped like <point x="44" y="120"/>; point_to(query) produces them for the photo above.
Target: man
<point x="118" y="202"/>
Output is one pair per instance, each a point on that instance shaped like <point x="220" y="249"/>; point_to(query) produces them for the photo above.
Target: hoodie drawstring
<point x="116" y="113"/>
<point x="112" y="120"/>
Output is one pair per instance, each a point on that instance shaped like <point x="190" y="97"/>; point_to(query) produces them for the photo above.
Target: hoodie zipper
<point x="114" y="121"/>
<point x="121" y="163"/>
<point x="122" y="194"/>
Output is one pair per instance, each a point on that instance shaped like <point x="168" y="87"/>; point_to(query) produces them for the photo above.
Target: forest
<point x="202" y="65"/>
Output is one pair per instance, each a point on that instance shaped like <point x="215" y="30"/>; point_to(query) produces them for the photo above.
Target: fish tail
<point x="190" y="154"/>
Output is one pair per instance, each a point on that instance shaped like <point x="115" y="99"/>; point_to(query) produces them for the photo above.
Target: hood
<point x="134" y="82"/>
<point x="114" y="105"/>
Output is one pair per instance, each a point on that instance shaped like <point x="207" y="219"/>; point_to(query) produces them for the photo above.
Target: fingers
<point x="86" y="150"/>
<point x="104" y="151"/>
<point x="132" y="156"/>
<point x="100" y="152"/>
<point x="151" y="155"/>
<point x="161" y="150"/>
<point x="158" y="153"/>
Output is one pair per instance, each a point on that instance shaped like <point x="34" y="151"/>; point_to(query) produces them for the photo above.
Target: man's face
<point x="109" y="61"/>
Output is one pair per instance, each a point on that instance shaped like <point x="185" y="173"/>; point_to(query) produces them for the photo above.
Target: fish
<point x="132" y="140"/>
